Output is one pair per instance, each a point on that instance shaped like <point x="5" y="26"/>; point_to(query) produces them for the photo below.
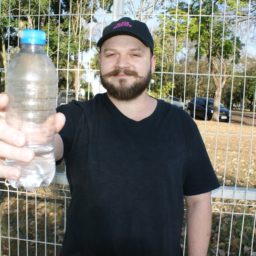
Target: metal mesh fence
<point x="204" y="49"/>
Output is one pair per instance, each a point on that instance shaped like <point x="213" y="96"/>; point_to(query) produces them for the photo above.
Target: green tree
<point x="14" y="16"/>
<point x="65" y="23"/>
<point x="247" y="88"/>
<point x="169" y="39"/>
<point x="212" y="36"/>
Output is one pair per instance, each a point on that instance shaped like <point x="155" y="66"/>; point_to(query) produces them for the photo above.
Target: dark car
<point x="65" y="97"/>
<point x="175" y="101"/>
<point x="203" y="108"/>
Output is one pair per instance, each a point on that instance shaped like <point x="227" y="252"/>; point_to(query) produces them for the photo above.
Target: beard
<point x="123" y="91"/>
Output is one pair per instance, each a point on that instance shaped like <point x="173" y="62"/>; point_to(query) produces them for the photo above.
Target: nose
<point x="122" y="61"/>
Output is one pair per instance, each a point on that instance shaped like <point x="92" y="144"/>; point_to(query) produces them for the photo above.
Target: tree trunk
<point x="4" y="56"/>
<point x="216" y="103"/>
<point x="76" y="82"/>
<point x="218" y="71"/>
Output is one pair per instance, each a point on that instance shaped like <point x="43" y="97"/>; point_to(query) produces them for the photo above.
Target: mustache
<point x="116" y="72"/>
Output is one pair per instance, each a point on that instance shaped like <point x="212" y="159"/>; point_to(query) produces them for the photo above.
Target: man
<point x="130" y="160"/>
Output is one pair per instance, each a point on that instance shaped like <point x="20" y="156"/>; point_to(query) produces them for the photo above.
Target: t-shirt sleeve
<point x="199" y="174"/>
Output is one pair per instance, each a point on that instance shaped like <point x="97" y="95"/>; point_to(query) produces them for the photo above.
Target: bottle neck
<point x="32" y="48"/>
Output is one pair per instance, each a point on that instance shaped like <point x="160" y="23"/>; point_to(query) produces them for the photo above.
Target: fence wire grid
<point x="204" y="49"/>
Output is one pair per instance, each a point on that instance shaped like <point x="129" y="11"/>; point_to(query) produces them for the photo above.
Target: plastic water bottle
<point x="32" y="86"/>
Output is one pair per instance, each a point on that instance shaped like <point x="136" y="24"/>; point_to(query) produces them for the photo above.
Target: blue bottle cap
<point x="32" y="36"/>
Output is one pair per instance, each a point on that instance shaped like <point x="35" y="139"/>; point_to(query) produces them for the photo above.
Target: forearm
<point x="199" y="226"/>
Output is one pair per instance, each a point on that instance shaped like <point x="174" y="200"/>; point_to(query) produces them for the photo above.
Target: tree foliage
<point x="65" y="23"/>
<point x="209" y="30"/>
<point x="191" y="38"/>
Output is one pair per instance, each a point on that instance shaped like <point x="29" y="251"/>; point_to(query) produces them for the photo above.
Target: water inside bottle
<point x="32" y="86"/>
<point x="39" y="172"/>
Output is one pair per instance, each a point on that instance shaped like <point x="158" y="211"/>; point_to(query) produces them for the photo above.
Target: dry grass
<point x="33" y="220"/>
<point x="232" y="150"/>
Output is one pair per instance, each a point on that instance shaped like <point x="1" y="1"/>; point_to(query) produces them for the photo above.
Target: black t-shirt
<point x="128" y="178"/>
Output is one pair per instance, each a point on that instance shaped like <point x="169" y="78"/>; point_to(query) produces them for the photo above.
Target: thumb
<point x="4" y="99"/>
<point x="59" y="121"/>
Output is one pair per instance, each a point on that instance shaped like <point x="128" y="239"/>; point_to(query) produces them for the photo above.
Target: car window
<point x="200" y="102"/>
<point x="203" y="101"/>
<point x="210" y="103"/>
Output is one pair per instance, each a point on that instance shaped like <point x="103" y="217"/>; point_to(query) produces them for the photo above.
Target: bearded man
<point x="130" y="159"/>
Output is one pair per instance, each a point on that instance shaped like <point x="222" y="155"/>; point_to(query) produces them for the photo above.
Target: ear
<point x="153" y="63"/>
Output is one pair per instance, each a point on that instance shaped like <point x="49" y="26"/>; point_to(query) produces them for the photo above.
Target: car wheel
<point x="209" y="117"/>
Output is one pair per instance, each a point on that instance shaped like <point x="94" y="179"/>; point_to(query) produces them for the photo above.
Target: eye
<point x="136" y="55"/>
<point x="109" y="54"/>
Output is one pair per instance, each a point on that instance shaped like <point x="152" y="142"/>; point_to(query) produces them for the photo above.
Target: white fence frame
<point x="224" y="193"/>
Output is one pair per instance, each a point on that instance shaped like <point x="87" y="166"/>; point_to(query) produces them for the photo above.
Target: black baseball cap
<point x="127" y="26"/>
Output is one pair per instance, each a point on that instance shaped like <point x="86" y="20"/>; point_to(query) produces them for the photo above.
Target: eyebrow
<point x="133" y="49"/>
<point x="137" y="50"/>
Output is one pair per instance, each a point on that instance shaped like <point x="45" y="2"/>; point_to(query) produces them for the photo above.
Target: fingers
<point x="9" y="172"/>
<point x="3" y="101"/>
<point x="44" y="133"/>
<point x="15" y="153"/>
<point x="19" y="154"/>
<point x="11" y="144"/>
<point x="12" y="141"/>
<point x="11" y="136"/>
<point x="8" y="134"/>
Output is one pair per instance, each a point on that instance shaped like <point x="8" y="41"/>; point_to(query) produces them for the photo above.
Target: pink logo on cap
<point x="122" y="24"/>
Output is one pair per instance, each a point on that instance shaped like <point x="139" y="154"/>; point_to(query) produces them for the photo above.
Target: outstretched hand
<point x="12" y="142"/>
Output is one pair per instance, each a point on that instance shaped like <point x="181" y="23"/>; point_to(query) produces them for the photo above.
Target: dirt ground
<point x="232" y="150"/>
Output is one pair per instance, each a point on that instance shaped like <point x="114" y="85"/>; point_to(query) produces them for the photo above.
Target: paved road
<point x="246" y="118"/>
